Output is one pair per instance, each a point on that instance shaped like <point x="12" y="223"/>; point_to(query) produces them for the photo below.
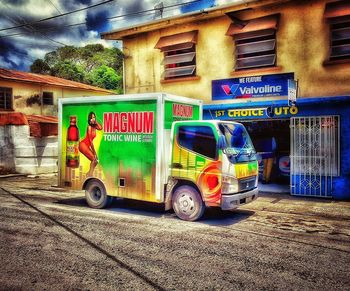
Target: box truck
<point x="155" y="147"/>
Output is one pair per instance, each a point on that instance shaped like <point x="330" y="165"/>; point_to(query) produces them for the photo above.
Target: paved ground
<point x="50" y="239"/>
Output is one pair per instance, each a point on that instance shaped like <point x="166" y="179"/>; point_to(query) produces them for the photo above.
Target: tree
<point x="106" y="77"/>
<point x="39" y="66"/>
<point x="92" y="64"/>
<point x="68" y="70"/>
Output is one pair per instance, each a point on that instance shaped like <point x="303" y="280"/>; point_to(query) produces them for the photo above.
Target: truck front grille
<point x="246" y="184"/>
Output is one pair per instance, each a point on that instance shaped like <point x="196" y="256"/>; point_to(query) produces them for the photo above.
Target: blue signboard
<point x="251" y="87"/>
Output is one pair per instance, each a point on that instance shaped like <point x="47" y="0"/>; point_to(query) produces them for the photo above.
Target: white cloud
<point x="15" y="59"/>
<point x="37" y="45"/>
<point x="36" y="53"/>
<point x="4" y="63"/>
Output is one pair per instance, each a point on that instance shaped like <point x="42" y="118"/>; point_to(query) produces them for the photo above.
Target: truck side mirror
<point x="222" y="142"/>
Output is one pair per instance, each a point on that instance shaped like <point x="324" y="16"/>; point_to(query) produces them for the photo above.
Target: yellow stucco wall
<point x="302" y="47"/>
<point x="23" y="93"/>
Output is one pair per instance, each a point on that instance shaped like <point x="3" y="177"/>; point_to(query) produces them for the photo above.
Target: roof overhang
<point x="204" y="14"/>
<point x="176" y="39"/>
<point x="44" y="80"/>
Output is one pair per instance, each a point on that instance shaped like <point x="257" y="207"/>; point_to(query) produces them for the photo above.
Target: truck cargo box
<point x="122" y="140"/>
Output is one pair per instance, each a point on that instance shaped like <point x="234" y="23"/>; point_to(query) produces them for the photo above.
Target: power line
<point x="153" y="9"/>
<point x="30" y="27"/>
<point x="59" y="15"/>
<point x="146" y="12"/>
<point x="55" y="7"/>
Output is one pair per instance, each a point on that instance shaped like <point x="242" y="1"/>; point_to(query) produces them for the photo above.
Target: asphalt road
<point x="50" y="239"/>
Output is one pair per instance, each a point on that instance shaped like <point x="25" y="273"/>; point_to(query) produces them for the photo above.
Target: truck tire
<point x="96" y="195"/>
<point x="187" y="203"/>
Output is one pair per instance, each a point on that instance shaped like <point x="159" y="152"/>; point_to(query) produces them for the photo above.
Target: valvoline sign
<point x="251" y="87"/>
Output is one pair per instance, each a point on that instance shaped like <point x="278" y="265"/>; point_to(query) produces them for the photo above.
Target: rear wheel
<point x="188" y="203"/>
<point x="96" y="195"/>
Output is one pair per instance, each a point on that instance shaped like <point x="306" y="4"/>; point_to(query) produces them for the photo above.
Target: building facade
<point x="38" y="94"/>
<point x="28" y="119"/>
<point x="243" y="61"/>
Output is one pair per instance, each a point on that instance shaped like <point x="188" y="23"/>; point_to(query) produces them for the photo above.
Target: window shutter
<point x="179" y="54"/>
<point x="338" y="16"/>
<point x="255" y="42"/>
<point x="166" y="43"/>
<point x="337" y="9"/>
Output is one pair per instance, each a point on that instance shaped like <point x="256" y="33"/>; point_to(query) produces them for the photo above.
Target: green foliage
<point x="39" y="66"/>
<point x="68" y="70"/>
<point x="93" y="64"/>
<point x="106" y="77"/>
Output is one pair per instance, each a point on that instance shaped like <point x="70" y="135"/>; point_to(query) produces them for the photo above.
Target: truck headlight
<point x="229" y="185"/>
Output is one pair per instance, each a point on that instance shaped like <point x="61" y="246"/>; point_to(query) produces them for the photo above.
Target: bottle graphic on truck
<point x="72" y="145"/>
<point x="155" y="147"/>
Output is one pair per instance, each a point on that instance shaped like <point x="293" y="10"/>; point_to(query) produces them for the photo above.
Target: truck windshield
<point x="237" y="139"/>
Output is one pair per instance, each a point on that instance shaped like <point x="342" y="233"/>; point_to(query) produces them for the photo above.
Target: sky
<point x="21" y="46"/>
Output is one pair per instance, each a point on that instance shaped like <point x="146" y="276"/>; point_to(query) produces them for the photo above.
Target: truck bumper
<point x="232" y="201"/>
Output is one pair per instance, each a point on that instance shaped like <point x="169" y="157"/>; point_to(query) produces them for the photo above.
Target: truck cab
<point x="213" y="164"/>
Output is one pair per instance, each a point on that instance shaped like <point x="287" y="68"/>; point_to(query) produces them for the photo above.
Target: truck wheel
<point x="96" y="195"/>
<point x="187" y="203"/>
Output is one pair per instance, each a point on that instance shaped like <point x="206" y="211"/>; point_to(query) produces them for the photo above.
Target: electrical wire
<point x="111" y="19"/>
<point x="30" y="27"/>
<point x="153" y="9"/>
<point x="56" y="16"/>
<point x="55" y="7"/>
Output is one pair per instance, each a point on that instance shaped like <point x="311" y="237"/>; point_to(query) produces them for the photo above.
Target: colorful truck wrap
<point x="153" y="147"/>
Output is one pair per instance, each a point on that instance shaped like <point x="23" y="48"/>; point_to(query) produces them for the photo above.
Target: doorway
<point x="271" y="139"/>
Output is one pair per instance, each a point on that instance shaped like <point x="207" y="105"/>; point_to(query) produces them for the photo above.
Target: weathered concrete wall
<point x="27" y="96"/>
<point x="20" y="153"/>
<point x="302" y="48"/>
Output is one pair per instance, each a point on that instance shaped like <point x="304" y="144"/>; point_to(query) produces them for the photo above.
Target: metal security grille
<point x="314" y="155"/>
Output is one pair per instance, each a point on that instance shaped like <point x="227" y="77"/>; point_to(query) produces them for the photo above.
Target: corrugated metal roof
<point x="12" y="75"/>
<point x="42" y="118"/>
<point x="13" y="118"/>
<point x="19" y="118"/>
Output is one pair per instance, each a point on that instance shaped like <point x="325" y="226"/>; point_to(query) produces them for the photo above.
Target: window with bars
<point x="315" y="145"/>
<point x="47" y="98"/>
<point x="179" y="55"/>
<point x="255" y="42"/>
<point x="5" y="98"/>
<point x="338" y="16"/>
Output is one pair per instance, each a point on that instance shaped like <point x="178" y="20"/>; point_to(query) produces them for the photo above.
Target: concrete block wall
<point x="21" y="153"/>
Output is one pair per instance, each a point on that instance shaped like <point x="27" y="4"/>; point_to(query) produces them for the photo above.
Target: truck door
<point x="195" y="158"/>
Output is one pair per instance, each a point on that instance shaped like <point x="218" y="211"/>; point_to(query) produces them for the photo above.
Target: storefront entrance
<point x="271" y="138"/>
<point x="312" y="140"/>
<point x="300" y="152"/>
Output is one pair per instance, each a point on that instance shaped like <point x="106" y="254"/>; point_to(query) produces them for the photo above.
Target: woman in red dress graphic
<point x="86" y="146"/>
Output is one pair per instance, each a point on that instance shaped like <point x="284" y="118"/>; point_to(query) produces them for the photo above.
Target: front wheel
<point x="96" y="195"/>
<point x="187" y="203"/>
